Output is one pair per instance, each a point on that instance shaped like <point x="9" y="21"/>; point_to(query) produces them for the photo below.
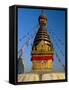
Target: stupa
<point x="42" y="49"/>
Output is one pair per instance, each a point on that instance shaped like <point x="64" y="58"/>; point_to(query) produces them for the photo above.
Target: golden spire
<point x="42" y="19"/>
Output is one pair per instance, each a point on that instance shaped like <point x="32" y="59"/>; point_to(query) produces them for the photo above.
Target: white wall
<point x="4" y="38"/>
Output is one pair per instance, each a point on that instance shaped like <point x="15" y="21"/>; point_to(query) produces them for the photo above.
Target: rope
<point x="30" y="40"/>
<point x="59" y="60"/>
<point x="27" y="34"/>
<point x="24" y="37"/>
<point x="54" y="34"/>
<point x="54" y="39"/>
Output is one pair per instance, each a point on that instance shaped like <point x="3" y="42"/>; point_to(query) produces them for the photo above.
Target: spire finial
<point x="42" y="18"/>
<point x="42" y="11"/>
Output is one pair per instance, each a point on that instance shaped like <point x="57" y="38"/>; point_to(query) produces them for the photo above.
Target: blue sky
<point x="27" y="25"/>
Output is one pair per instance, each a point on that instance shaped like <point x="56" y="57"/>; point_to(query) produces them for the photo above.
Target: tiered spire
<point x="42" y="50"/>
